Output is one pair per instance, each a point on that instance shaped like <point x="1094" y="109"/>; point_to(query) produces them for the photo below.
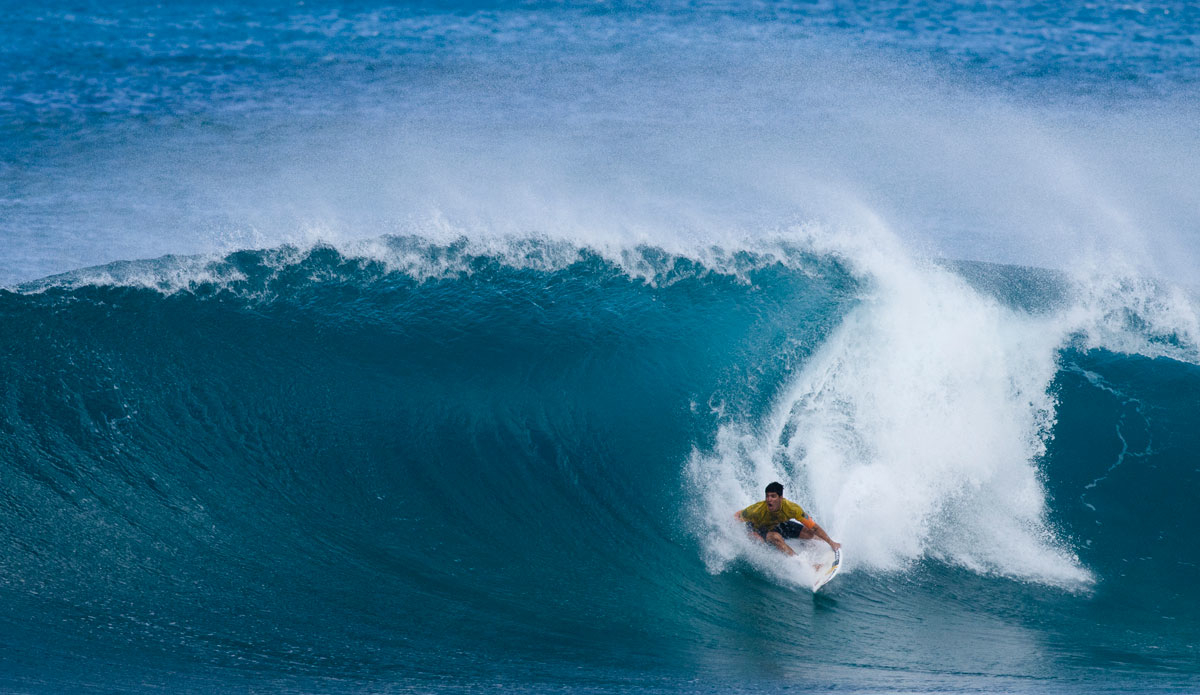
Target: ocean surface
<point x="358" y="348"/>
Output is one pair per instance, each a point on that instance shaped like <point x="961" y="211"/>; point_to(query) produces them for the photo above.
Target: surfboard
<point x="827" y="569"/>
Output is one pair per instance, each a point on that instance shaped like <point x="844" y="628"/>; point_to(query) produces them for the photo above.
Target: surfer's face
<point x="773" y="499"/>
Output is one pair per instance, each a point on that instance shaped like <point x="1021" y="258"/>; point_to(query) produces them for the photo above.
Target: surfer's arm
<point x="816" y="528"/>
<point x="749" y="526"/>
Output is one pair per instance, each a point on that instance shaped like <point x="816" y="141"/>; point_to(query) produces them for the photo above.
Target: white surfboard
<point x="827" y="569"/>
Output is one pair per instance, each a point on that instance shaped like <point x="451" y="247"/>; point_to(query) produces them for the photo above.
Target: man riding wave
<point x="774" y="519"/>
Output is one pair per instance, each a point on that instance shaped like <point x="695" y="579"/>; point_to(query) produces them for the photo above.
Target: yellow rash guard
<point x="762" y="518"/>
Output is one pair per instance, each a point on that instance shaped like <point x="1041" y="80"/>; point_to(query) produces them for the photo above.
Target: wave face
<point x="320" y="470"/>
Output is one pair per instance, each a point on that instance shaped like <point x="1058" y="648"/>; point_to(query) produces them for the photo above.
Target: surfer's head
<point x="774" y="496"/>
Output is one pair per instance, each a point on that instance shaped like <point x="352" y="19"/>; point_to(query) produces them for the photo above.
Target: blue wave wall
<point x="323" y="473"/>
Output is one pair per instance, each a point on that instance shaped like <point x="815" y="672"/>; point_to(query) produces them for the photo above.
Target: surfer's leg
<point x="776" y="539"/>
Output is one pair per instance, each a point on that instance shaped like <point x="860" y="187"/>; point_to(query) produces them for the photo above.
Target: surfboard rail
<point x="827" y="572"/>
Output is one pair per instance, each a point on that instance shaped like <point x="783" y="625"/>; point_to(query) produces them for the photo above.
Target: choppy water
<point x="359" y="348"/>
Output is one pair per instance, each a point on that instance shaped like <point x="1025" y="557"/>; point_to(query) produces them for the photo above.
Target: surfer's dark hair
<point x="777" y="488"/>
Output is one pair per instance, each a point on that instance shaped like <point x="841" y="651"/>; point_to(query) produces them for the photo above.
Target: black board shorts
<point x="788" y="529"/>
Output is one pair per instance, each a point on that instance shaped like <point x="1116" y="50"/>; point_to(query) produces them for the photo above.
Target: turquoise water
<point x="363" y="348"/>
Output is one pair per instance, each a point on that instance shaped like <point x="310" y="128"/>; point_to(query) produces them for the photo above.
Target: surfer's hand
<point x="835" y="545"/>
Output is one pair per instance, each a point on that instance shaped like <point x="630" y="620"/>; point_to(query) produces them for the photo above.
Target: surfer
<point x="774" y="519"/>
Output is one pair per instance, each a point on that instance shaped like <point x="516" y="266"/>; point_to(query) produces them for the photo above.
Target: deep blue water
<point x="364" y="348"/>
